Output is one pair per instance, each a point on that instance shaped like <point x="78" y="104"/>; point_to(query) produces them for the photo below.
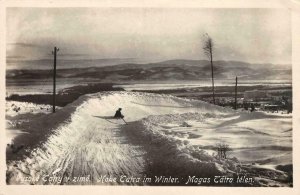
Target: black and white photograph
<point x="149" y="96"/>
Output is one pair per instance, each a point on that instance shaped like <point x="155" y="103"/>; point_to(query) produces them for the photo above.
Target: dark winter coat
<point x="118" y="114"/>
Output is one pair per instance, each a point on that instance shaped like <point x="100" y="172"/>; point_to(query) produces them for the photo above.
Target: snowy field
<point x="91" y="145"/>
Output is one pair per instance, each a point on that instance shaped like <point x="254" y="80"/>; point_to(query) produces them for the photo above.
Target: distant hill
<point x="167" y="70"/>
<point x="67" y="63"/>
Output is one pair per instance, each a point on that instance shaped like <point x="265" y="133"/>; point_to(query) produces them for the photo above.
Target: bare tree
<point x="222" y="150"/>
<point x="208" y="50"/>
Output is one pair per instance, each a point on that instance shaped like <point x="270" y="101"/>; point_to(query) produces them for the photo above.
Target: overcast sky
<point x="251" y="35"/>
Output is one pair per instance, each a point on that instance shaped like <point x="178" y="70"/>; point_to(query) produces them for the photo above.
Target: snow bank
<point x="13" y="109"/>
<point x="253" y="137"/>
<point x="174" y="155"/>
<point x="185" y="144"/>
<point x="91" y="145"/>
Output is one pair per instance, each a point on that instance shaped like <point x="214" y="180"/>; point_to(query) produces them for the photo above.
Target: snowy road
<point x="91" y="149"/>
<point x="90" y="146"/>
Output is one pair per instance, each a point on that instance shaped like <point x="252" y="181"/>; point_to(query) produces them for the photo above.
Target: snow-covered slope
<point x="91" y="146"/>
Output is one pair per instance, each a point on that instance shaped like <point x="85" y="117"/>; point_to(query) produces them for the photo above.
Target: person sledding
<point x="119" y="115"/>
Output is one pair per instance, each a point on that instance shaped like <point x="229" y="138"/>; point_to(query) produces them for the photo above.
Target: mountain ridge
<point x="178" y="69"/>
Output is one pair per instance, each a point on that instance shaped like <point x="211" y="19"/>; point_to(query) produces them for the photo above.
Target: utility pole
<point x="235" y="104"/>
<point x="54" y="77"/>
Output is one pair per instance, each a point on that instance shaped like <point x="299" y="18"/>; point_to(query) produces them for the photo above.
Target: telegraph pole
<point x="235" y="103"/>
<point x="54" y="77"/>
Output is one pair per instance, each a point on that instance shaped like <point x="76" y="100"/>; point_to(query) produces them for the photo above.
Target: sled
<point x="108" y="118"/>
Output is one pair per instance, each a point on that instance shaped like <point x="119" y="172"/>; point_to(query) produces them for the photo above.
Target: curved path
<point x="89" y="150"/>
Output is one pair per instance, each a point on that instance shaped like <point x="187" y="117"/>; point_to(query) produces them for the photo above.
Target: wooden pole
<point x="212" y="73"/>
<point x="235" y="104"/>
<point x="54" y="78"/>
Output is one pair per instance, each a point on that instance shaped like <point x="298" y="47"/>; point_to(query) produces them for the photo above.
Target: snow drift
<point x="91" y="146"/>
